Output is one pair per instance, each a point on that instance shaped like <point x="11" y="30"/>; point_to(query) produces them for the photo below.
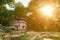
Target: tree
<point x="6" y="16"/>
<point x="6" y="1"/>
<point x="37" y="22"/>
<point x="34" y="20"/>
<point x="19" y="10"/>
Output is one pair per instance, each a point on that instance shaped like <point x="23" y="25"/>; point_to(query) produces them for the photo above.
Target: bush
<point x="24" y="37"/>
<point x="1" y="38"/>
<point x="37" y="38"/>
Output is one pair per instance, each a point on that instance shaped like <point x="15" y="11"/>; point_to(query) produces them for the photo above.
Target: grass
<point x="1" y="38"/>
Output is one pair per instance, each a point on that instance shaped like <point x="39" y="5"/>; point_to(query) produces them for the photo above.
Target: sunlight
<point x="47" y="10"/>
<point x="9" y="8"/>
<point x="28" y="14"/>
<point x="47" y="39"/>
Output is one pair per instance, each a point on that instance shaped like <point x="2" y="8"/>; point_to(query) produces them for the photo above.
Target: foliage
<point x="24" y="37"/>
<point x="6" y="16"/>
<point x="1" y="38"/>
<point x="37" y="38"/>
<point x="19" y="11"/>
<point x="6" y="1"/>
<point x="7" y="30"/>
<point x="37" y="22"/>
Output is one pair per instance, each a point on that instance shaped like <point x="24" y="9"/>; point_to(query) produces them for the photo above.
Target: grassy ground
<point x="41" y="36"/>
<point x="1" y="38"/>
<point x="37" y="36"/>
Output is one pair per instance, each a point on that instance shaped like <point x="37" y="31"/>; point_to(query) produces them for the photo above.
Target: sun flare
<point x="47" y="10"/>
